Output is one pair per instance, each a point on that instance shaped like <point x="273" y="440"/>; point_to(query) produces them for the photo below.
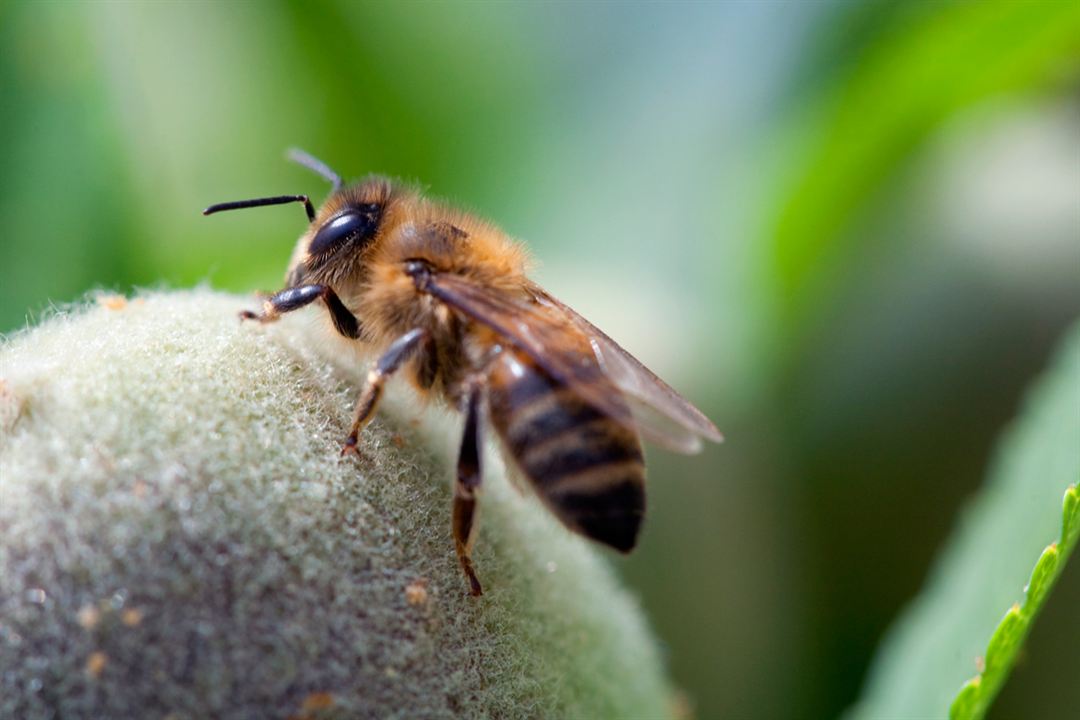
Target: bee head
<point x="333" y="246"/>
<point x="348" y="224"/>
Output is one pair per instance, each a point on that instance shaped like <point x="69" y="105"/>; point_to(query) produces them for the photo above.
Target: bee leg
<point x="465" y="491"/>
<point x="294" y="298"/>
<point x="398" y="352"/>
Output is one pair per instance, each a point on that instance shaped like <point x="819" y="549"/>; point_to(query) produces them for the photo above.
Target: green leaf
<point x="940" y="641"/>
<point x="978" y="693"/>
<point x="949" y="56"/>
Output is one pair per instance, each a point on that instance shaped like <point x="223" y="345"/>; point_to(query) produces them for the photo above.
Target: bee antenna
<point x="315" y="165"/>
<point x="261" y="202"/>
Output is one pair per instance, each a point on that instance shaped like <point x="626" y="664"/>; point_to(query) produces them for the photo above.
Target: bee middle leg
<point x="465" y="490"/>
<point x="294" y="298"/>
<point x="388" y="363"/>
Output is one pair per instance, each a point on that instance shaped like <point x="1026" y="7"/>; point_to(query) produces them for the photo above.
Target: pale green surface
<point x="932" y="650"/>
<point x="165" y="458"/>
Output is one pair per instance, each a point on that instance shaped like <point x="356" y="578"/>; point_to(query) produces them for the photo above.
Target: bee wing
<point x="545" y="334"/>
<point x="657" y="404"/>
<point x="554" y="336"/>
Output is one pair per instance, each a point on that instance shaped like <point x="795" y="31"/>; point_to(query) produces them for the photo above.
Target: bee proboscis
<point x="443" y="297"/>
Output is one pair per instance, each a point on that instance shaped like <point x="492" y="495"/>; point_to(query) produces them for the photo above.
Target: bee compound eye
<point x="354" y="226"/>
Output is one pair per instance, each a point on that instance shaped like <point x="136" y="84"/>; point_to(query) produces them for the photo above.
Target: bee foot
<point x="257" y="317"/>
<point x="349" y="448"/>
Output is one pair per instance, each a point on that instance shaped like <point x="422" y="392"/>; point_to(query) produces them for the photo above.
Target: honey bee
<point x="444" y="297"/>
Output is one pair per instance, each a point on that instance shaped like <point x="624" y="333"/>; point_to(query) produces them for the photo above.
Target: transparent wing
<point x="653" y="395"/>
<point x="574" y="352"/>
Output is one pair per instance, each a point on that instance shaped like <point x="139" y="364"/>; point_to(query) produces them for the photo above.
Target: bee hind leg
<point x="388" y="363"/>
<point x="466" y="489"/>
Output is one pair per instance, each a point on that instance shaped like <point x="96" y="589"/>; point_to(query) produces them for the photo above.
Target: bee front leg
<point x="465" y="490"/>
<point x="389" y="363"/>
<point x="295" y="298"/>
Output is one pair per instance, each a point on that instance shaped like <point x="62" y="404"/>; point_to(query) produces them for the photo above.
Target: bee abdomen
<point x="588" y="468"/>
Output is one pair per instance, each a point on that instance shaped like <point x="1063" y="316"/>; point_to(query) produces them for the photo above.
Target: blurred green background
<point x="849" y="231"/>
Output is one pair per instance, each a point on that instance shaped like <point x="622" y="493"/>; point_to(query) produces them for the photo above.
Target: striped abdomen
<point x="587" y="468"/>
